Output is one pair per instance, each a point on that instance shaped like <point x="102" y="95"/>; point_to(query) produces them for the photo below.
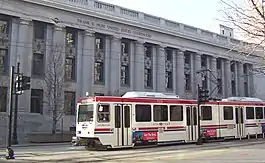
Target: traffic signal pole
<point x="14" y="136"/>
<point x="15" y="88"/>
<point x="10" y="107"/>
<point x="9" y="151"/>
<point x="199" y="140"/>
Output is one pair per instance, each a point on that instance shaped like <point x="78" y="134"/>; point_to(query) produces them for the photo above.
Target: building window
<point x="220" y="88"/>
<point x="4" y="42"/>
<point x="70" y="59"/>
<point x="69" y="103"/>
<point x="233" y="84"/>
<point x="148" y="64"/>
<point x="245" y="68"/>
<point x="39" y="29"/>
<point x="203" y="61"/>
<point x="99" y="60"/>
<point x="36" y="103"/>
<point x="169" y="69"/>
<point x="3" y="99"/>
<point x="232" y="67"/>
<point x="125" y="64"/>
<point x="187" y="72"/>
<point x="218" y="63"/>
<point x="4" y="27"/>
<point x="3" y="61"/>
<point x="38" y="65"/>
<point x="246" y="89"/>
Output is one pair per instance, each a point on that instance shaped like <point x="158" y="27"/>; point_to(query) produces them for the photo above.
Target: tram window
<point x="206" y="113"/>
<point x="228" y="113"/>
<point x="176" y="113"/>
<point x="143" y="113"/>
<point x="160" y="113"/>
<point x="259" y="112"/>
<point x="103" y="113"/>
<point x="250" y="112"/>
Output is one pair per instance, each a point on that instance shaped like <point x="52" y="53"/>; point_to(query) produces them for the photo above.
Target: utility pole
<point x="203" y="96"/>
<point x="14" y="136"/>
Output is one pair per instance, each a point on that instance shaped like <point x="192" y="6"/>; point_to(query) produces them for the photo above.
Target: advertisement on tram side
<point x="143" y="137"/>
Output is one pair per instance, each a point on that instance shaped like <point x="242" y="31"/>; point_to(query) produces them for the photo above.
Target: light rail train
<point x="148" y="118"/>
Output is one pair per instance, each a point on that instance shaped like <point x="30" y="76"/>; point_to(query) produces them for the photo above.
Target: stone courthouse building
<point x="108" y="49"/>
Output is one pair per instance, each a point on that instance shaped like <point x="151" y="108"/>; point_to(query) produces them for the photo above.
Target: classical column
<point x="223" y="77"/>
<point x="197" y="67"/>
<point x="192" y="77"/>
<point x="155" y="67"/>
<point x="59" y="36"/>
<point x="59" y="44"/>
<point x="180" y="74"/>
<point x="86" y="58"/>
<point x="161" y="69"/>
<point x="14" y="41"/>
<point x="24" y="56"/>
<point x="236" y="78"/>
<point x="139" y="66"/>
<point x="25" y="45"/>
<point x="227" y="73"/>
<point x="251" y="81"/>
<point x="115" y="62"/>
<point x="174" y="66"/>
<point x="240" y="85"/>
<point x="107" y="56"/>
<point x="213" y="77"/>
<point x="132" y="66"/>
<point x="208" y="67"/>
<point x="79" y="64"/>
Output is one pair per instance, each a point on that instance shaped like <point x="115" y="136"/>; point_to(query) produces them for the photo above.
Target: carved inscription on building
<point x="113" y="28"/>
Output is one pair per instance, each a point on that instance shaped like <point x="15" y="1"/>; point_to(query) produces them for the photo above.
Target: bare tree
<point x="248" y="19"/>
<point x="54" y="83"/>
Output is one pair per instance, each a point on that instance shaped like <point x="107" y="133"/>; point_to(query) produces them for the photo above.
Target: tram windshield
<point x="85" y="113"/>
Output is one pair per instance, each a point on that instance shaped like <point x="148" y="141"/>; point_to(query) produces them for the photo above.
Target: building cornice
<point x="114" y="13"/>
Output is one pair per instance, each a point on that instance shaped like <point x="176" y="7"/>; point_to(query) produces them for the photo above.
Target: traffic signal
<point x="22" y="83"/>
<point x="203" y="95"/>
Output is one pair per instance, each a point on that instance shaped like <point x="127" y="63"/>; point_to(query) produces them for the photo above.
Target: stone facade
<point x="108" y="50"/>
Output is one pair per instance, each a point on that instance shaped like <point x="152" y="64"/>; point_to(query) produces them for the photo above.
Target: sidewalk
<point x="37" y="144"/>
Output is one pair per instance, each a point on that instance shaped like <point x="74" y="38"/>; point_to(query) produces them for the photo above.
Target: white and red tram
<point x="143" y="118"/>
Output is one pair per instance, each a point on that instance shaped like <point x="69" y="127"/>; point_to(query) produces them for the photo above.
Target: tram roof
<point x="113" y="99"/>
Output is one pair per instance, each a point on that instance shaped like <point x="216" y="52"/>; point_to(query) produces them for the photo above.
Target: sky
<point x="203" y="14"/>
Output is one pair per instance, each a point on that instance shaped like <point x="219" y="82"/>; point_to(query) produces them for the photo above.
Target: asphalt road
<point x="220" y="152"/>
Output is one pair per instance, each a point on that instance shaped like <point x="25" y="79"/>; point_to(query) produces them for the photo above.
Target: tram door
<point x="191" y="118"/>
<point x="239" y="122"/>
<point x="123" y="129"/>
